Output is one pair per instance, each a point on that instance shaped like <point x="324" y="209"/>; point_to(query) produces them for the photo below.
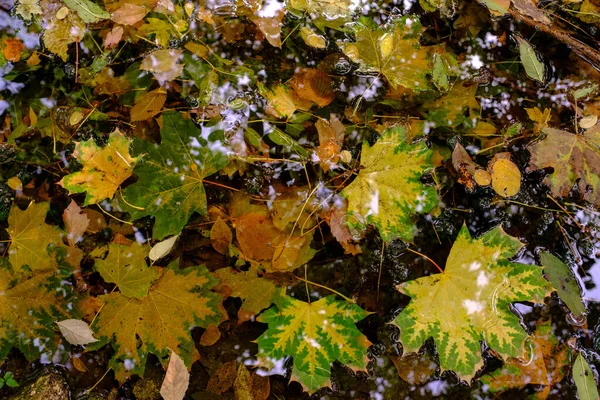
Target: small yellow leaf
<point x="32" y="118"/>
<point x="33" y="60"/>
<point x="588" y="122"/>
<point x="482" y="177"/>
<point x="210" y="336"/>
<point x="79" y="365"/>
<point x="484" y="129"/>
<point x="15" y="184"/>
<point x="62" y="13"/>
<point x="313" y="39"/>
<point x="75" y="117"/>
<point x="148" y="105"/>
<point x="506" y="177"/>
<point x="221" y="236"/>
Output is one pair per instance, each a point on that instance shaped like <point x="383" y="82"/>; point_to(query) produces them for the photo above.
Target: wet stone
<point x="49" y="386"/>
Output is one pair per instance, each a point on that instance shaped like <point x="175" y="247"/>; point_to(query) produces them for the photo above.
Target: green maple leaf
<point x="169" y="185"/>
<point x="575" y="158"/>
<point x="104" y="168"/>
<point x="30" y="237"/>
<point x="160" y="322"/>
<point x="315" y="335"/>
<point x="393" y="51"/>
<point x="470" y="302"/>
<point x="388" y="192"/>
<point x="126" y="267"/>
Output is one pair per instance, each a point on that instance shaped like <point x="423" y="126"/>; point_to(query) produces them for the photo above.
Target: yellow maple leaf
<point x="60" y="33"/>
<point x="30" y="237"/>
<point x="104" y="168"/>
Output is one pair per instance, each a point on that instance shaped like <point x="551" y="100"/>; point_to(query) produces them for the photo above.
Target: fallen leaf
<point x="564" y="282"/>
<point x="221" y="236"/>
<point x="89" y="11"/>
<point x="76" y="223"/>
<point x="313" y="85"/>
<point x="113" y="37"/>
<point x="163" y="64"/>
<point x="534" y="68"/>
<point x="585" y="381"/>
<point x="128" y="14"/>
<point x="211" y="335"/>
<point x="148" y="105"/>
<point x="60" y="33"/>
<point x="13" y="48"/>
<point x="161" y="249"/>
<point x="270" y="27"/>
<point x="177" y="379"/>
<point x="223" y="378"/>
<point x="506" y="177"/>
<point x="76" y="332"/>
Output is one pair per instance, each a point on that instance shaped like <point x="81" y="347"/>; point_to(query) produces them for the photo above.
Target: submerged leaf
<point x="169" y="185"/>
<point x="575" y="158"/>
<point x="478" y="285"/>
<point x="387" y="191"/>
<point x="315" y="334"/>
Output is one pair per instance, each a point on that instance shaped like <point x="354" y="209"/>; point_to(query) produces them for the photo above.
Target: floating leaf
<point x="163" y="64"/>
<point x="387" y="191"/>
<point x="76" y="223"/>
<point x="544" y="366"/>
<point x="177" y="302"/>
<point x="221" y="236"/>
<point x="126" y="267"/>
<point x="28" y="8"/>
<point x="313" y="85"/>
<point x="89" y="11"/>
<point x="575" y="159"/>
<point x="506" y="177"/>
<point x="128" y="14"/>
<point x="533" y="67"/>
<point x="148" y="105"/>
<point x="449" y="109"/>
<point x="104" y="168"/>
<point x="161" y="249"/>
<point x="177" y="379"/>
<point x="393" y="51"/>
<point x="478" y="285"/>
<point x="256" y="291"/>
<point x="60" y="33"/>
<point x="12" y="49"/>
<point x="315" y="334"/>
<point x="585" y="380"/>
<point x="563" y="281"/>
<point x="76" y="331"/>
<point x="169" y="185"/>
<point x="283" y="101"/>
<point x="30" y="237"/>
<point x="331" y="138"/>
<point x="313" y="39"/>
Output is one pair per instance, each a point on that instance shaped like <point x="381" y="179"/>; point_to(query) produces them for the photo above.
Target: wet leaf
<point x="542" y="365"/>
<point x="393" y="51"/>
<point x="113" y="37"/>
<point x="506" y="177"/>
<point x="387" y="191"/>
<point x="563" y="281"/>
<point x="12" y="49"/>
<point x="169" y="185"/>
<point x="223" y="378"/>
<point x="221" y="236"/>
<point x="584" y="378"/>
<point x="31" y="237"/>
<point x="256" y="291"/>
<point x="28" y="8"/>
<point x="449" y="109"/>
<point x="540" y="118"/>
<point x="331" y="138"/>
<point x="128" y="14"/>
<point x="315" y="334"/>
<point x="126" y="267"/>
<point x="177" y="379"/>
<point x="533" y="67"/>
<point x="60" y="33"/>
<point x="270" y="27"/>
<point x="313" y="39"/>
<point x="313" y="85"/>
<point x="104" y="168"/>
<point x="76" y="223"/>
<point x="161" y="249"/>
<point x="89" y="11"/>
<point x="163" y="64"/>
<point x="76" y="332"/>
<point x="575" y="159"/>
<point x="283" y="101"/>
<point x="478" y="284"/>
<point x="178" y="301"/>
<point x="148" y="105"/>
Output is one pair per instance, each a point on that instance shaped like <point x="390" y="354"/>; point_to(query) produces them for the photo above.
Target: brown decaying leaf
<point x="78" y="364"/>
<point x="223" y="378"/>
<point x="76" y="222"/>
<point x="331" y="138"/>
<point x="129" y="14"/>
<point x="211" y="335"/>
<point x="148" y="105"/>
<point x="250" y="386"/>
<point x="314" y="85"/>
<point x="336" y="218"/>
<point x="113" y="37"/>
<point x="221" y="236"/>
<point x="270" y="27"/>
<point x="470" y="174"/>
<point x="415" y="368"/>
<point x="177" y="379"/>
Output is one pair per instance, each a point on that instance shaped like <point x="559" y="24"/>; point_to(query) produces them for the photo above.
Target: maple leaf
<point x="575" y="159"/>
<point x="470" y="302"/>
<point x="448" y="110"/>
<point x="393" y="51"/>
<point x="104" y="168"/>
<point x="315" y="334"/>
<point x="257" y="292"/>
<point x="126" y="267"/>
<point x="542" y="367"/>
<point x="60" y="33"/>
<point x="283" y="101"/>
<point x="161" y="321"/>
<point x="169" y="185"/>
<point x="28" y="309"/>
<point x="30" y="237"/>
<point x="388" y="190"/>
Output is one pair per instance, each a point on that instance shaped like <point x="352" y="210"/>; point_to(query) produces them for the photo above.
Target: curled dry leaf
<point x="177" y="379"/>
<point x="314" y="85"/>
<point x="76" y="332"/>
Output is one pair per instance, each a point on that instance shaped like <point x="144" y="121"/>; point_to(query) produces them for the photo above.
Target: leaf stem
<point x="427" y="258"/>
<point x="348" y="299"/>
